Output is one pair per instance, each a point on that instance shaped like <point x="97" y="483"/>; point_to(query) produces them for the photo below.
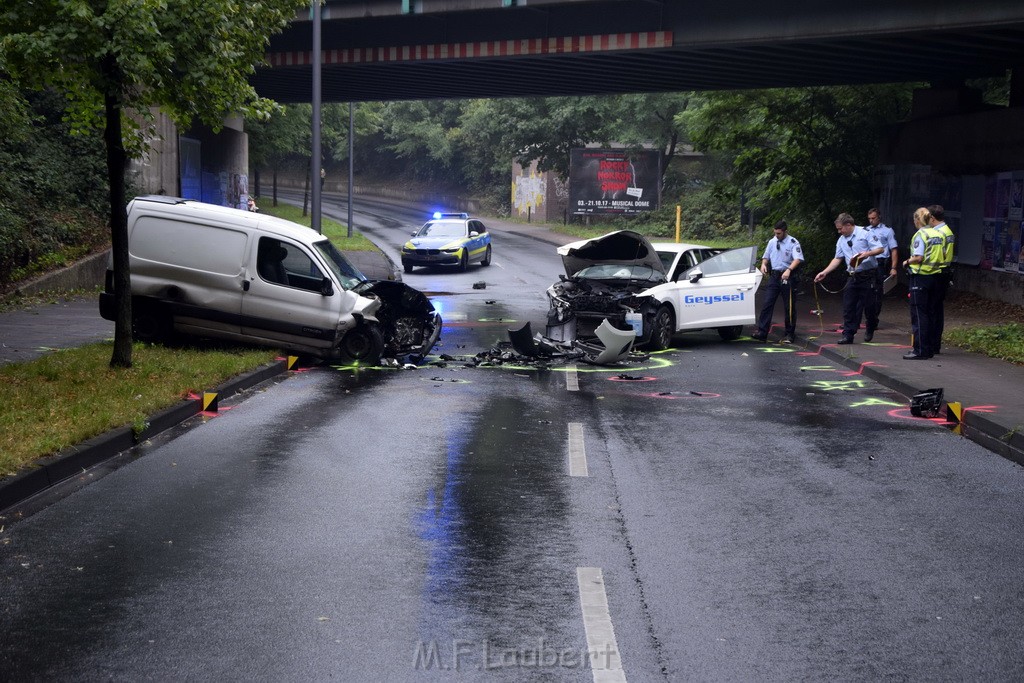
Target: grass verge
<point x="1005" y="342"/>
<point x="71" y="395"/>
<point x="332" y="229"/>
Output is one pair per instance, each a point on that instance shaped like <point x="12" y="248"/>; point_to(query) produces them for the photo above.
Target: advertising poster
<point x="614" y="181"/>
<point x="1016" y="211"/>
<point x="1020" y="248"/>
<point x="987" y="245"/>
<point x="1012" y="259"/>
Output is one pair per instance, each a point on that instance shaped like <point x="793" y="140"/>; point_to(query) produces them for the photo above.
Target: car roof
<point x="280" y="227"/>
<point x="678" y="246"/>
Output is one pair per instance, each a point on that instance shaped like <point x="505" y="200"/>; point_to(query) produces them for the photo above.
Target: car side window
<point x="284" y="263"/>
<point x="728" y="262"/>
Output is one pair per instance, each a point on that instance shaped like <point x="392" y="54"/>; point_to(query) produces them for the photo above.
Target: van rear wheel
<point x="151" y="322"/>
<point x="363" y="345"/>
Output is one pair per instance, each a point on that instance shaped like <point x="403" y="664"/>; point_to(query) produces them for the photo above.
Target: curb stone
<point x="52" y="470"/>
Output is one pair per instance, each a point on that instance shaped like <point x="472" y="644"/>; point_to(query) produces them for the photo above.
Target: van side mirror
<point x="695" y="275"/>
<point x="327" y="287"/>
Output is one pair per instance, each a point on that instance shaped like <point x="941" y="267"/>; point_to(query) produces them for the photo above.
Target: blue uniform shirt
<point x="860" y="240"/>
<point x="886" y="237"/>
<point x="782" y="252"/>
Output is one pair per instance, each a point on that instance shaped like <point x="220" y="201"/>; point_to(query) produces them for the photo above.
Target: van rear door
<point x="195" y="269"/>
<point x="284" y="301"/>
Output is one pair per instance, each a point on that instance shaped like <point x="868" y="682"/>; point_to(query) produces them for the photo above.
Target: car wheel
<point x="406" y="267"/>
<point x="487" y="257"/>
<point x="151" y="322"/>
<point x="664" y="327"/>
<point x="364" y="344"/>
<point x="464" y="261"/>
<point x="730" y="333"/>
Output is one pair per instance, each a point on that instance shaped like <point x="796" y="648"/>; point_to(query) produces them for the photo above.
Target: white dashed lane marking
<point x="605" y="661"/>
<point x="572" y="379"/>
<point x="577" y="451"/>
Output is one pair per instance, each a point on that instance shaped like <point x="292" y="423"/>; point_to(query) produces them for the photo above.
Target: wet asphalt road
<point x="754" y="513"/>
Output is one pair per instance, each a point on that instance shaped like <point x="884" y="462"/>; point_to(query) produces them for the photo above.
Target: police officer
<point x="937" y="221"/>
<point x="925" y="265"/>
<point x="858" y="248"/>
<point x="783" y="254"/>
<point x="887" y="263"/>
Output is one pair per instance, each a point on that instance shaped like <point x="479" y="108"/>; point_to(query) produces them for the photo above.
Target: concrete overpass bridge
<point x="425" y="49"/>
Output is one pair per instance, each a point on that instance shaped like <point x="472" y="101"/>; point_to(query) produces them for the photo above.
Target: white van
<point x="213" y="271"/>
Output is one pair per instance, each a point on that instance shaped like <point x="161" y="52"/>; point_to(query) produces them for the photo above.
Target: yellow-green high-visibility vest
<point x="934" y="243"/>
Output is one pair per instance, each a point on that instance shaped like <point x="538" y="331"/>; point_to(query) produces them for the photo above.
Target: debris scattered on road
<point x="480" y="285"/>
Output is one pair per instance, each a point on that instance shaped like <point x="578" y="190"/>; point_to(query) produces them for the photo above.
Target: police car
<point x="448" y="239"/>
<point x="623" y="278"/>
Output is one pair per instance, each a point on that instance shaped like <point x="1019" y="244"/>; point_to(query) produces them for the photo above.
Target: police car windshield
<point x="347" y="274"/>
<point x="620" y="272"/>
<point x="443" y="229"/>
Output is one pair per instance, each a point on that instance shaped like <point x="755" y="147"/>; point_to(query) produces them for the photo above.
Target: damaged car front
<point x="409" y="324"/>
<point x="617" y="282"/>
<point x="606" y="278"/>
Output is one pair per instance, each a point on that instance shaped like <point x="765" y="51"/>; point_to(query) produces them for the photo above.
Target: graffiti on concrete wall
<point x="527" y="193"/>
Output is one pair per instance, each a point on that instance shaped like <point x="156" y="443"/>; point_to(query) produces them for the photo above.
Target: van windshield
<point x="347" y="274"/>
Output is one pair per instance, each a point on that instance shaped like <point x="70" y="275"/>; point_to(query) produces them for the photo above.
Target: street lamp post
<point x="315" y="157"/>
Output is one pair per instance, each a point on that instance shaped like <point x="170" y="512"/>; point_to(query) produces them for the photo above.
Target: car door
<point x="477" y="245"/>
<point x="718" y="292"/>
<point x="289" y="306"/>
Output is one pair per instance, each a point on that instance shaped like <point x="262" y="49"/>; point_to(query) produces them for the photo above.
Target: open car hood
<point x="622" y="247"/>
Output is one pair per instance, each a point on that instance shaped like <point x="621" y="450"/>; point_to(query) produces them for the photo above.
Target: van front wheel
<point x="363" y="345"/>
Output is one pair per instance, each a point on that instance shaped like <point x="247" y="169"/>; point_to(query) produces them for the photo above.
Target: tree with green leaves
<point x="806" y="154"/>
<point x="116" y="59"/>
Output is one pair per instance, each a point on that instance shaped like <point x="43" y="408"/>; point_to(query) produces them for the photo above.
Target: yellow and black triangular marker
<point x="210" y="402"/>
<point x="955" y="414"/>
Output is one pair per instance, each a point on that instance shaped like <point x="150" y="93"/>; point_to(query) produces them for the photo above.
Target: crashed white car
<point x="621" y="277"/>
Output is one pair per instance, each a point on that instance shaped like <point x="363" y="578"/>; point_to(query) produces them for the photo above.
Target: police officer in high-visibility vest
<point x="926" y="272"/>
<point x="783" y="254"/>
<point x="936" y="220"/>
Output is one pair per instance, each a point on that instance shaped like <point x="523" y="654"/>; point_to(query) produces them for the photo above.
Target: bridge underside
<point x="616" y="46"/>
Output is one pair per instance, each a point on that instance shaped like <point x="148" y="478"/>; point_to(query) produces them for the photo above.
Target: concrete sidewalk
<point x="990" y="392"/>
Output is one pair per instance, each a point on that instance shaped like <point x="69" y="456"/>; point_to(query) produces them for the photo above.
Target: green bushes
<point x="53" y="192"/>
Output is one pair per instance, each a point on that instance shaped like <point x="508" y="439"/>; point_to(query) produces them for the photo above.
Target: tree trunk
<point x="117" y="162"/>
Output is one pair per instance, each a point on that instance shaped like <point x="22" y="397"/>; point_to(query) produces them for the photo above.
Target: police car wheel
<point x="662" y="330"/>
<point x="487" y="257"/>
<point x="406" y="267"/>
<point x="364" y="344"/>
<point x="464" y="261"/>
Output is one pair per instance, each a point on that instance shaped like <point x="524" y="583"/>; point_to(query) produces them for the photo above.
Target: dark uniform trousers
<point x="772" y="291"/>
<point x="872" y="312"/>
<point x="926" y="293"/>
<point x="858" y="297"/>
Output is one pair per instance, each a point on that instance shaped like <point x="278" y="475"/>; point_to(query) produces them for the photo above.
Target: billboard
<point x="614" y="181"/>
